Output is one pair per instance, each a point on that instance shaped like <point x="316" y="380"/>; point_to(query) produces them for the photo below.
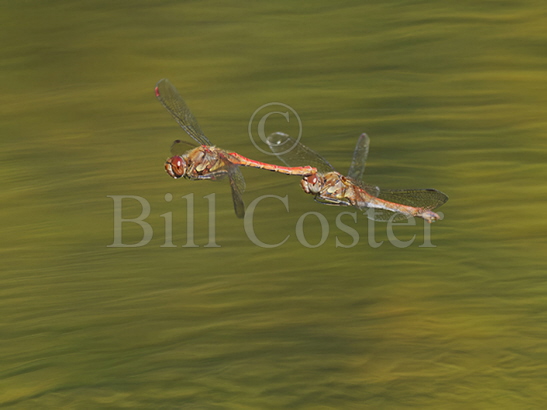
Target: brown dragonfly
<point x="206" y="161"/>
<point x="332" y="188"/>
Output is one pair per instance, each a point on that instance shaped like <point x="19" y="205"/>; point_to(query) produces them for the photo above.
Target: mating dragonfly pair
<point x="320" y="179"/>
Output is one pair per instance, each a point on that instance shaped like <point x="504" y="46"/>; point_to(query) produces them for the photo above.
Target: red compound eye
<point x="311" y="184"/>
<point x="175" y="166"/>
<point x="177" y="162"/>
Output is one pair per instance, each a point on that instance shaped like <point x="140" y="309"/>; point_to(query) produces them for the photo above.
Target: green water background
<point x="453" y="96"/>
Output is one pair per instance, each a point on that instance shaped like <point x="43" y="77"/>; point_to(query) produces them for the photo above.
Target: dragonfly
<point x="205" y="161"/>
<point x="329" y="187"/>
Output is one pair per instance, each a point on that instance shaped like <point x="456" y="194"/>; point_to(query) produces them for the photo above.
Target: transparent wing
<point x="379" y="215"/>
<point x="383" y="215"/>
<point x="370" y="189"/>
<point x="237" y="184"/>
<point x="170" y="98"/>
<point x="419" y="198"/>
<point x="357" y="167"/>
<point x="358" y="162"/>
<point x="180" y="147"/>
<point x="294" y="154"/>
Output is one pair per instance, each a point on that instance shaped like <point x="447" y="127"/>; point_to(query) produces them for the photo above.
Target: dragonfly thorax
<point x="175" y="166"/>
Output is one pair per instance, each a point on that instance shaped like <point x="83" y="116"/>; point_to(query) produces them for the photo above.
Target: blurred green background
<point x="453" y="96"/>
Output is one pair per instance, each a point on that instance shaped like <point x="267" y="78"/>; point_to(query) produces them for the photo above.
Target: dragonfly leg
<point x="213" y="176"/>
<point x="332" y="201"/>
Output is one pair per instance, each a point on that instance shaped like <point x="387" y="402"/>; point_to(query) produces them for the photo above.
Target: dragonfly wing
<point x="170" y="98"/>
<point x="295" y="154"/>
<point x="383" y="215"/>
<point x="357" y="167"/>
<point x="180" y="147"/>
<point x="419" y="198"/>
<point x="237" y="184"/>
<point x="360" y="154"/>
<point x="370" y="189"/>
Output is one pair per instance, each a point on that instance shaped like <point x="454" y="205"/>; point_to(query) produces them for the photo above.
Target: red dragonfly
<point x="332" y="188"/>
<point x="206" y="161"/>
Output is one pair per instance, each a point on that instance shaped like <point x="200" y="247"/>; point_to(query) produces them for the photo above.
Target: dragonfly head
<point x="312" y="184"/>
<point x="175" y="166"/>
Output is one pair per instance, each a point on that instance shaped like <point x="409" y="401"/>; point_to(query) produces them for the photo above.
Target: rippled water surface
<point x="452" y="95"/>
